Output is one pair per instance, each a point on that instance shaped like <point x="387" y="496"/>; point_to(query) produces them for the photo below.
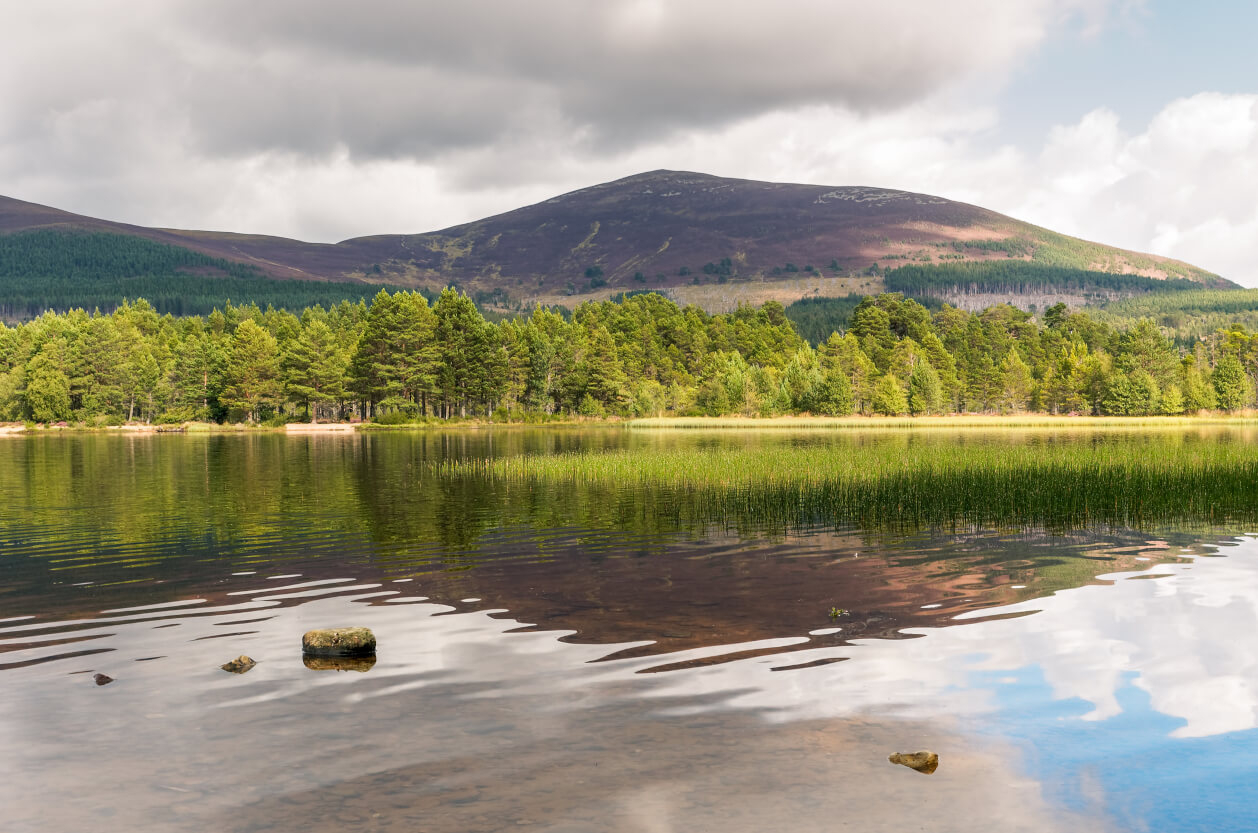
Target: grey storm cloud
<point x="413" y="79"/>
<point x="416" y="80"/>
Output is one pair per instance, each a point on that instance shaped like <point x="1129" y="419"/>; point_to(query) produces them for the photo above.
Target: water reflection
<point x="578" y="664"/>
<point x="1079" y="713"/>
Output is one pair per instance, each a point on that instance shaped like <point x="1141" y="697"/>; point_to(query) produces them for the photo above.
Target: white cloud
<point x="1184" y="186"/>
<point x="325" y="122"/>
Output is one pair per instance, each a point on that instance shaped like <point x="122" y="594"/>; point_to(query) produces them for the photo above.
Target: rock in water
<point x="924" y="761"/>
<point x="317" y="663"/>
<point x="239" y="665"/>
<point x="339" y="642"/>
<point x="103" y="679"/>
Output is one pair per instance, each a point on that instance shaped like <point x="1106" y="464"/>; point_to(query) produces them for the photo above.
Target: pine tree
<point x="252" y="379"/>
<point x="459" y="337"/>
<point x="197" y="374"/>
<point x="315" y="369"/>
<point x="1015" y="378"/>
<point x="843" y="354"/>
<point x="47" y="391"/>
<point x="925" y="392"/>
<point x="1199" y="394"/>
<point x="1172" y="401"/>
<point x="889" y="398"/>
<point x="1232" y="384"/>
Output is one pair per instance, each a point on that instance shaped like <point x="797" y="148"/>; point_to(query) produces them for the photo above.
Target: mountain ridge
<point x="694" y="235"/>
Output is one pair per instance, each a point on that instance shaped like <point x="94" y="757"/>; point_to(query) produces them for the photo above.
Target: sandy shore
<point x="318" y="427"/>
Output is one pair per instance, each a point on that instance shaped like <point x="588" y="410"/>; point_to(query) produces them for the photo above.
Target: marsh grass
<point x="990" y="421"/>
<point x="1054" y="480"/>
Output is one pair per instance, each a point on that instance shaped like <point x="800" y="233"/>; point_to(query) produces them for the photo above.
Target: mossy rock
<point x="339" y="642"/>
<point x="239" y="665"/>
<point x="925" y="761"/>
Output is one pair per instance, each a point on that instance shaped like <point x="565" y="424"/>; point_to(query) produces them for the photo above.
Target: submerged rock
<point x="325" y="663"/>
<point x="103" y="679"/>
<point x="924" y="761"/>
<point x="339" y="642"/>
<point x="239" y="665"/>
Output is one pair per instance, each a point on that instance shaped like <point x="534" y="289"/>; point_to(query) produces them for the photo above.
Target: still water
<point x="563" y="656"/>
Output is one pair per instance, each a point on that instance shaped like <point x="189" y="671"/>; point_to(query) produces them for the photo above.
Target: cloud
<point x="410" y="79"/>
<point x="1183" y="186"/>
<point x="325" y="121"/>
<point x="90" y="85"/>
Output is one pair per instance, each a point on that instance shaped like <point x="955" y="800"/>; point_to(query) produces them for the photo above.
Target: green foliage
<point x="1017" y="276"/>
<point x="1234" y="388"/>
<point x="1190" y="315"/>
<point x="724" y="267"/>
<point x="400" y="359"/>
<point x="925" y="394"/>
<point x="253" y="365"/>
<point x="62" y="270"/>
<point x="1016" y="381"/>
<point x="1060" y="479"/>
<point x="889" y="398"/>
<point x="47" y="391"/>
<point x="816" y="318"/>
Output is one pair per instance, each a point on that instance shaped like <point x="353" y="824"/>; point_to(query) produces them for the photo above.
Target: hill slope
<point x="705" y="239"/>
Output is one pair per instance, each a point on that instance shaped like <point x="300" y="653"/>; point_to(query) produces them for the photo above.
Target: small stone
<point x="318" y="663"/>
<point x="103" y="679"/>
<point x="239" y="665"/>
<point x="339" y="642"/>
<point x="925" y="761"/>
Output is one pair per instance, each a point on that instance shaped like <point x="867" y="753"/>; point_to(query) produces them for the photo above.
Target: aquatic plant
<point x="1053" y="479"/>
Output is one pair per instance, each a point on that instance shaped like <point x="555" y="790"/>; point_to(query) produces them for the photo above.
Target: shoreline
<point x="995" y="421"/>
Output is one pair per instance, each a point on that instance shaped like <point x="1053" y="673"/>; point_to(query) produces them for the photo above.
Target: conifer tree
<point x="252" y="379"/>
<point x="925" y="394"/>
<point x="1232" y="384"/>
<point x="47" y="389"/>
<point x="1016" y="382"/>
<point x="315" y="368"/>
<point x="889" y="397"/>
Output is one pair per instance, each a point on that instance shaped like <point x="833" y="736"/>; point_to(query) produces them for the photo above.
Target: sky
<point x="1129" y="122"/>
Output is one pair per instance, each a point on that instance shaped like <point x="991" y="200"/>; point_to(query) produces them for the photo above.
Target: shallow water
<point x="564" y="658"/>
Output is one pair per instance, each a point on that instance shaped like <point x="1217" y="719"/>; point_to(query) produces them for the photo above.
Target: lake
<point x="614" y="629"/>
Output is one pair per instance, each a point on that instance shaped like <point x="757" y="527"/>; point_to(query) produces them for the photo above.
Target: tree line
<point x="401" y="358"/>
<point x="1019" y="276"/>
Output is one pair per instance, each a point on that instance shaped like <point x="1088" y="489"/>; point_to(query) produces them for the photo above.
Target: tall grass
<point x="986" y="421"/>
<point x="1052" y="480"/>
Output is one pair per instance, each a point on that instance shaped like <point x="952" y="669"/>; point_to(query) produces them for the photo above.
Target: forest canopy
<point x="401" y="357"/>
<point x="62" y="270"/>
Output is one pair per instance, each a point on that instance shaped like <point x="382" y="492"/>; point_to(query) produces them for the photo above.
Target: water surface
<point x="567" y="654"/>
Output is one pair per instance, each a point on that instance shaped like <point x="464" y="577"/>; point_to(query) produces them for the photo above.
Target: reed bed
<point x="1067" y="482"/>
<point x="994" y="421"/>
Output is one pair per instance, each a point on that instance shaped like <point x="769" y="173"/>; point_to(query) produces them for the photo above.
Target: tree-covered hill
<point x="60" y="270"/>
<point x="1023" y="277"/>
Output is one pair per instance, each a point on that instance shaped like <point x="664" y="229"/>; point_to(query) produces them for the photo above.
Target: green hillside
<point x="61" y="270"/>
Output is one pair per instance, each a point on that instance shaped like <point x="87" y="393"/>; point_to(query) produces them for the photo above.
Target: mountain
<point x="704" y="239"/>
